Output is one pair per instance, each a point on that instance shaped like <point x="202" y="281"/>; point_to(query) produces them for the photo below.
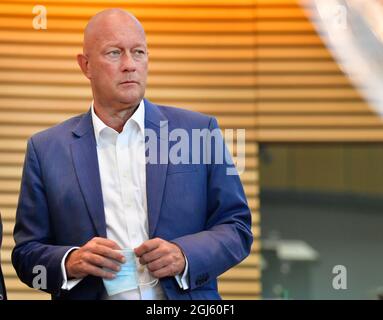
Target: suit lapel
<point x="85" y="161"/>
<point x="155" y="172"/>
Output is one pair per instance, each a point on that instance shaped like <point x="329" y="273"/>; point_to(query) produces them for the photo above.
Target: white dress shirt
<point x="121" y="160"/>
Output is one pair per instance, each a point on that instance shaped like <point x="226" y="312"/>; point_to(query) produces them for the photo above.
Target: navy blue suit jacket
<point x="197" y="206"/>
<point x="3" y="295"/>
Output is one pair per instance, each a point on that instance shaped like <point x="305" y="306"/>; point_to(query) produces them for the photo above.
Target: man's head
<point x="115" y="59"/>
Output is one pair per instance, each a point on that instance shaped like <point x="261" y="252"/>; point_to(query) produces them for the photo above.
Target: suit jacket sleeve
<point x="34" y="248"/>
<point x="227" y="237"/>
<point x="3" y="295"/>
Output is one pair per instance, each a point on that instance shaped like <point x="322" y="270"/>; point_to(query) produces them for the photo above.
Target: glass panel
<point x="321" y="221"/>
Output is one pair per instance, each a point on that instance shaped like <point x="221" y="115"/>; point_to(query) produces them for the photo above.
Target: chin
<point x="133" y="101"/>
<point x="130" y="98"/>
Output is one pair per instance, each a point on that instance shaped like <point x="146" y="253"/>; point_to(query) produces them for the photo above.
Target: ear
<point x="83" y="63"/>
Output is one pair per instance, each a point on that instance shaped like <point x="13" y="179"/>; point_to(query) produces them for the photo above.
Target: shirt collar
<point x="138" y="117"/>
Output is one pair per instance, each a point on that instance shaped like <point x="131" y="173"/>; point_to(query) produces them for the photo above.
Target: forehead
<point x="122" y="32"/>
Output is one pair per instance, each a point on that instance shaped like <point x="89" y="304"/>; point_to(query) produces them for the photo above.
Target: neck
<point x="114" y="117"/>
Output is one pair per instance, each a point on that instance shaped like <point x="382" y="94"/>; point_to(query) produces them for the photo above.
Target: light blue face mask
<point x="127" y="278"/>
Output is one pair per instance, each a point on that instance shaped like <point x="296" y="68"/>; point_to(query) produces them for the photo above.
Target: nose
<point x="128" y="63"/>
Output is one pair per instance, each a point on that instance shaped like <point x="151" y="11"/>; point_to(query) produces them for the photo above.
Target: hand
<point x="163" y="258"/>
<point x="96" y="254"/>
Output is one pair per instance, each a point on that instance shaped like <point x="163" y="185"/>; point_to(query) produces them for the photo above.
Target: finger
<point x="158" y="264"/>
<point x="151" y="256"/>
<point x="108" y="253"/>
<point x="100" y="261"/>
<point x="98" y="272"/>
<point x="147" y="246"/>
<point x="107" y="243"/>
<point x="168" y="271"/>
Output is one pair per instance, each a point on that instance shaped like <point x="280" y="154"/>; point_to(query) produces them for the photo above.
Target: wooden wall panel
<point x="302" y="95"/>
<point x="255" y="64"/>
<point x="202" y="57"/>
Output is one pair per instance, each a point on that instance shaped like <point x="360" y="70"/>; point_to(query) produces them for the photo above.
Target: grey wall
<point x="346" y="228"/>
<point x="348" y="235"/>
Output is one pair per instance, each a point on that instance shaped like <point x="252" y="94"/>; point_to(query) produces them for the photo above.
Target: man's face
<point x="118" y="64"/>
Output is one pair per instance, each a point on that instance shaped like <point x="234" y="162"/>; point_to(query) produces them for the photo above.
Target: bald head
<point x="106" y="21"/>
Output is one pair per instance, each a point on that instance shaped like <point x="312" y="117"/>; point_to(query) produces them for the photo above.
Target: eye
<point x="114" y="53"/>
<point x="139" y="52"/>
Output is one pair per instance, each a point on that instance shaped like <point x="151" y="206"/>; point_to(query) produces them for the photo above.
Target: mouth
<point x="129" y="82"/>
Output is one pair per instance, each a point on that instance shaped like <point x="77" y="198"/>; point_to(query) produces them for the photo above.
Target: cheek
<point x="105" y="69"/>
<point x="143" y="71"/>
<point x="110" y="71"/>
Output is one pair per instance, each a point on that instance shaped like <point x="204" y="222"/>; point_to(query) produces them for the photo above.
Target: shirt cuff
<point x="68" y="284"/>
<point x="183" y="281"/>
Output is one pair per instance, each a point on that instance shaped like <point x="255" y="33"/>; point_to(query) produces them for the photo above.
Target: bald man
<point x="103" y="220"/>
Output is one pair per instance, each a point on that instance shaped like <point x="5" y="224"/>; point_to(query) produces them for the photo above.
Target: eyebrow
<point x="118" y="45"/>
